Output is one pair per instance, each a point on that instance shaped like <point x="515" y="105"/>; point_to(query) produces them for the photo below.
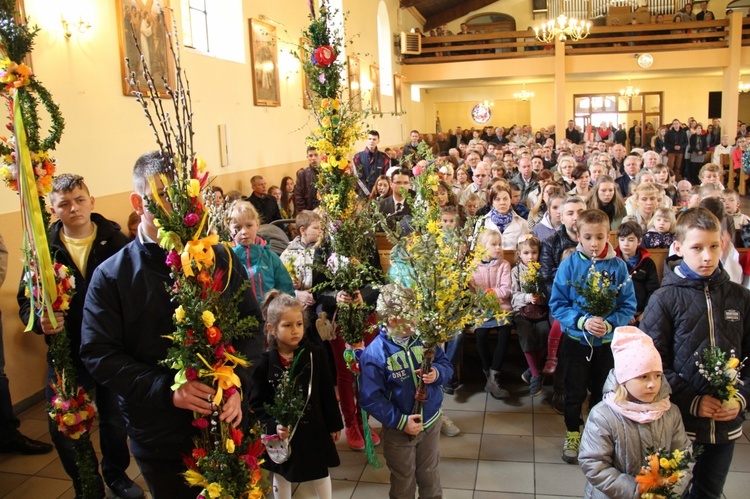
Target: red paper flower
<point x="236" y="436"/>
<point x="214" y="335"/>
<point x="324" y="55"/>
<point x="200" y="423"/>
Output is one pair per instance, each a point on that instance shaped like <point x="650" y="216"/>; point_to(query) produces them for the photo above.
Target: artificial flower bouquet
<point x="532" y="282"/>
<point x="598" y="292"/>
<point x="239" y="456"/>
<point x="663" y="473"/>
<point x="722" y="372"/>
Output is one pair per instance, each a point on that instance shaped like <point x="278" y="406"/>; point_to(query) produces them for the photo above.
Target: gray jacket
<point x="613" y="447"/>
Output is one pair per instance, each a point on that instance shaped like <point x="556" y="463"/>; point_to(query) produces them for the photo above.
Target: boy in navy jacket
<point x="698" y="307"/>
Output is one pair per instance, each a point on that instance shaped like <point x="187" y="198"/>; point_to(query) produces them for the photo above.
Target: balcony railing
<point x="602" y="40"/>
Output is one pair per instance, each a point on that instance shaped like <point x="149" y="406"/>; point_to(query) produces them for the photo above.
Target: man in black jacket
<point x="82" y="240"/>
<point x="550" y="257"/>
<point x="572" y="133"/>
<point x="305" y="191"/>
<point x="676" y="142"/>
<point x="267" y="207"/>
<point x="128" y="312"/>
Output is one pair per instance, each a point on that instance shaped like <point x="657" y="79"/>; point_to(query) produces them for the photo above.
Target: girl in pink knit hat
<point x="635" y="415"/>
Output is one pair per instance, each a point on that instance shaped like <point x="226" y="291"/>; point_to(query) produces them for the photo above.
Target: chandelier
<point x="562" y="28"/>
<point x="744" y="88"/>
<point x="629" y="91"/>
<point x="523" y="95"/>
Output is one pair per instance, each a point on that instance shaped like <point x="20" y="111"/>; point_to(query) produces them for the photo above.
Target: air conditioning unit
<point x="411" y="43"/>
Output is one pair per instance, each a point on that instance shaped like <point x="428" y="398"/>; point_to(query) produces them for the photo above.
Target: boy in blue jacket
<point x="390" y="370"/>
<point x="587" y="339"/>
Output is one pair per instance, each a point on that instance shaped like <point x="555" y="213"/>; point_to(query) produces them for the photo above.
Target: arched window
<point x="385" y="50"/>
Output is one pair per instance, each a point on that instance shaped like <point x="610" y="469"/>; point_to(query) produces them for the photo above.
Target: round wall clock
<point x="645" y="60"/>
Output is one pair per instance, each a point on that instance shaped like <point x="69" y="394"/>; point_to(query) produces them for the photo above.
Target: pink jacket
<point x="495" y="276"/>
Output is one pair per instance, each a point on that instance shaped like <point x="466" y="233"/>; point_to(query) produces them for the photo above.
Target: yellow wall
<point x="454" y="104"/>
<point x="106" y="131"/>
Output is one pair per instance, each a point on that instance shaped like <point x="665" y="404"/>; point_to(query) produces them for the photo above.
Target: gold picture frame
<point x="264" y="64"/>
<point x="397" y="97"/>
<point x="375" y="106"/>
<point x="149" y="26"/>
<point x="355" y="87"/>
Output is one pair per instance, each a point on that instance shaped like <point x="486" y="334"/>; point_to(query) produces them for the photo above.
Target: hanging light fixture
<point x="523" y="95"/>
<point x="629" y="91"/>
<point x="488" y="103"/>
<point x="562" y="28"/>
<point x="744" y="88"/>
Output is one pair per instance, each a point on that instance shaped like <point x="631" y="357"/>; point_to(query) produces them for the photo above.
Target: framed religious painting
<point x="375" y="95"/>
<point x="355" y="91"/>
<point x="144" y="25"/>
<point x="265" y="64"/>
<point x="397" y="97"/>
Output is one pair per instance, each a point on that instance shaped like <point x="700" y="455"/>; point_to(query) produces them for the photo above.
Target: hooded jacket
<point x="645" y="278"/>
<point x="543" y="229"/>
<point x="566" y="305"/>
<point x="613" y="448"/>
<point x="300" y="256"/>
<point x="495" y="276"/>
<point x="127" y="313"/>
<point x="551" y="255"/>
<point x="388" y="383"/>
<point x="264" y="269"/>
<point x="686" y="316"/>
<point x="108" y="241"/>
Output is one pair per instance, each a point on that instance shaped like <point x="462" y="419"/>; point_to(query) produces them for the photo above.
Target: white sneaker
<point x="449" y="428"/>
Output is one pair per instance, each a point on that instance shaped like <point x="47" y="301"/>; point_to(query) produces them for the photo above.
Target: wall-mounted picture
<point x="265" y="63"/>
<point x="355" y="93"/>
<point x="375" y="97"/>
<point x="143" y="22"/>
<point x="398" y="102"/>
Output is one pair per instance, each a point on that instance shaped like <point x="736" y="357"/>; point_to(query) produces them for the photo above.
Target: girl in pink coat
<point x="493" y="276"/>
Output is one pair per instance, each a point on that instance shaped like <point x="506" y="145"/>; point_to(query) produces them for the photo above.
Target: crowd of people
<point x="552" y="202"/>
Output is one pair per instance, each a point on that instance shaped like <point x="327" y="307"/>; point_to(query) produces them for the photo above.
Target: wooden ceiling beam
<point x="405" y="4"/>
<point x="453" y="13"/>
<point x="417" y="15"/>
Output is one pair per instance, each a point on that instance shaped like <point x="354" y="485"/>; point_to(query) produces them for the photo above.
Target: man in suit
<point x="632" y="167"/>
<point x="266" y="205"/>
<point x="395" y="207"/>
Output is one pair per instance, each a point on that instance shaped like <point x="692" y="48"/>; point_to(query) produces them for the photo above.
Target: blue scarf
<point x="689" y="274"/>
<point x="502" y="221"/>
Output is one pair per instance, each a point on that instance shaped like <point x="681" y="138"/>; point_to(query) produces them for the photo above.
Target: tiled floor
<point x="506" y="450"/>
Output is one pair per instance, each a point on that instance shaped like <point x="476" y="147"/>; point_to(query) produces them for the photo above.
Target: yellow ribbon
<point x="199" y="251"/>
<point x="35" y="239"/>
<point x="223" y="375"/>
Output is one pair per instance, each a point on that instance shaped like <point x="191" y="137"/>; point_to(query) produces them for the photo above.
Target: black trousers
<point x="582" y="375"/>
<point x="164" y="478"/>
